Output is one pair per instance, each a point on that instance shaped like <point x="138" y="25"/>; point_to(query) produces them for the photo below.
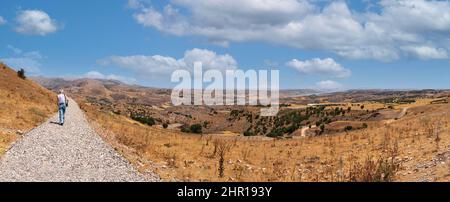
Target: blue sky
<point x="394" y="44"/>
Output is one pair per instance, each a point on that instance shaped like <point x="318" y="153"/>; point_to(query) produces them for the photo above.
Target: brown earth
<point x="24" y="105"/>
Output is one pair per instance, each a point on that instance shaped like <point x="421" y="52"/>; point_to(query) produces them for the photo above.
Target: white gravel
<point x="73" y="152"/>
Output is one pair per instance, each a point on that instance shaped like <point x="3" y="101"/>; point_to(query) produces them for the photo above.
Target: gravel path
<point x="73" y="152"/>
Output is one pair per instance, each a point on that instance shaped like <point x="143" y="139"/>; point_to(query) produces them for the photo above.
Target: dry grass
<point x="5" y="140"/>
<point x="24" y="105"/>
<point x="379" y="153"/>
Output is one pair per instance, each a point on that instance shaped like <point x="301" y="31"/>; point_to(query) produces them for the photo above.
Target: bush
<point x="143" y="119"/>
<point x="290" y="129"/>
<point x="318" y="123"/>
<point x="381" y="170"/>
<point x="249" y="133"/>
<point x="322" y="128"/>
<point x="276" y="133"/>
<point x="348" y="128"/>
<point x="196" y="128"/>
<point x="185" y="129"/>
<point x="165" y="125"/>
<point x="21" y="74"/>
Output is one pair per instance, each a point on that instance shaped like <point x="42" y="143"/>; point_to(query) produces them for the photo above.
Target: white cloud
<point x="29" y="61"/>
<point x="134" y="4"/>
<point x="28" y="64"/>
<point x="35" y="22"/>
<point x="317" y="66"/>
<point x="329" y="85"/>
<point x="157" y="65"/>
<point x="2" y="20"/>
<point x="98" y="75"/>
<point x="426" y="52"/>
<point x="305" y="24"/>
<point x="14" y="49"/>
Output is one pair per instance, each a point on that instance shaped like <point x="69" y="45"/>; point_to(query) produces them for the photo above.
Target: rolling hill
<point x="24" y="105"/>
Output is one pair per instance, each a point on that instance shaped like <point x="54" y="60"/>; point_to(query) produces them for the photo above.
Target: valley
<point x="358" y="135"/>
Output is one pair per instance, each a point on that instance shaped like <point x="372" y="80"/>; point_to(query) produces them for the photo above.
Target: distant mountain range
<point x="113" y="91"/>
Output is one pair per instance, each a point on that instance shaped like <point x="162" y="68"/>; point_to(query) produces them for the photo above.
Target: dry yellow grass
<point x="5" y="141"/>
<point x="24" y="105"/>
<point x="377" y="105"/>
<point x="410" y="142"/>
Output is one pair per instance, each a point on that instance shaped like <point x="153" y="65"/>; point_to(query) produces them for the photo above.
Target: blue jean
<point x="62" y="112"/>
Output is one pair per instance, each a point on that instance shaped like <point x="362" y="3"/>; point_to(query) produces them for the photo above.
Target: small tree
<point x="165" y="125"/>
<point x="21" y="73"/>
<point x="196" y="128"/>
<point x="322" y="128"/>
<point x="348" y="128"/>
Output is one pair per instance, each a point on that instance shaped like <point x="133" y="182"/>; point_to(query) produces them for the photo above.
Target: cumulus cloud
<point x="329" y="85"/>
<point x="35" y="22"/>
<point x="157" y="65"/>
<point x="317" y="66"/>
<point x="305" y="24"/>
<point x="29" y="61"/>
<point x="2" y="21"/>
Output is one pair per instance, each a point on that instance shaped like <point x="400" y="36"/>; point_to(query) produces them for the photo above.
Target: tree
<point x="348" y="128"/>
<point x="322" y="128"/>
<point x="165" y="125"/>
<point x="143" y="119"/>
<point x="196" y="128"/>
<point x="362" y="106"/>
<point x="21" y="73"/>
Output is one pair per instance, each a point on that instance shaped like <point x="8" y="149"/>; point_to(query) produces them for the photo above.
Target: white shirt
<point x="61" y="99"/>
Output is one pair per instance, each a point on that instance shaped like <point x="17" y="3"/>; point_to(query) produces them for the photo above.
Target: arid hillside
<point x="23" y="106"/>
<point x="107" y="91"/>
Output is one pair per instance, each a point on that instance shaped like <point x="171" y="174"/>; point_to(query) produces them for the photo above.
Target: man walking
<point x="62" y="104"/>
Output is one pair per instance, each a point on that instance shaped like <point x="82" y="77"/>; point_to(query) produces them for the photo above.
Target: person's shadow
<point x="53" y="122"/>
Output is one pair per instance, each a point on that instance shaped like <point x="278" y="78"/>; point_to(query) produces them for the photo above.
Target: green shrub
<point x="185" y="129"/>
<point x="348" y="128"/>
<point x="249" y="133"/>
<point x="143" y="119"/>
<point x="21" y="74"/>
<point x="322" y="128"/>
<point x="276" y="133"/>
<point x="196" y="128"/>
